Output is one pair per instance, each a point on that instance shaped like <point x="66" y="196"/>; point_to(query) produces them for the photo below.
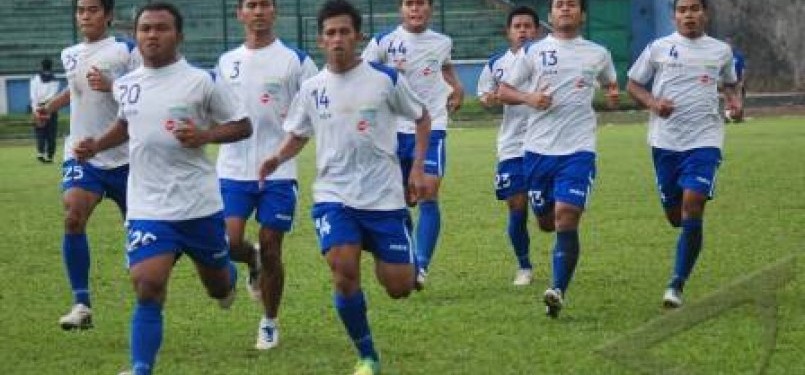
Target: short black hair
<point x="107" y="5"/>
<point x="703" y="2"/>
<point x="47" y="64"/>
<point x="430" y="2"/>
<point x="335" y="8"/>
<point x="522" y="11"/>
<point x="582" y="2"/>
<point x="240" y="3"/>
<point x="159" y="6"/>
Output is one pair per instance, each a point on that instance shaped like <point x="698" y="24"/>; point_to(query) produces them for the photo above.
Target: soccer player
<point x="423" y="57"/>
<point x="686" y="131"/>
<point x="265" y="74"/>
<point x="522" y="26"/>
<point x="44" y="87"/>
<point x="90" y="67"/>
<point x="559" y="162"/>
<point x="167" y="111"/>
<point x="359" y="199"/>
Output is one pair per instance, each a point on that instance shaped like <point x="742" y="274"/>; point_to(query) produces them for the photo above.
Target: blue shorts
<point x="509" y="179"/>
<point x="386" y="234"/>
<point x="435" y="157"/>
<point x="564" y="178"/>
<point x="677" y="171"/>
<point x="203" y="239"/>
<point x="110" y="183"/>
<point x="275" y="204"/>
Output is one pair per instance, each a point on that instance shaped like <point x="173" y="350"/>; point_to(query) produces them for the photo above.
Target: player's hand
<point x="267" y="167"/>
<point x="736" y="110"/>
<point x="662" y="107"/>
<point x="455" y="100"/>
<point x="416" y="188"/>
<point x="490" y="100"/>
<point x="540" y="99"/>
<point x="613" y="96"/>
<point x="98" y="81"/>
<point x="190" y="136"/>
<point x="85" y="149"/>
<point x="41" y="114"/>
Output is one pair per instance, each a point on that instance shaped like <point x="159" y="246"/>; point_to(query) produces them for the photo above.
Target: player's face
<point x="415" y="14"/>
<point x="566" y="15"/>
<point x="157" y="37"/>
<point x="522" y="29"/>
<point x="338" y="39"/>
<point x="257" y="15"/>
<point x="690" y="17"/>
<point x="92" y="20"/>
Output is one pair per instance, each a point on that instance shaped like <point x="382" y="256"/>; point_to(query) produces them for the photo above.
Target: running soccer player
<point x="359" y="199"/>
<point x="423" y="57"/>
<point x="559" y="162"/>
<point x="90" y="67"/>
<point x="522" y="26"/>
<point x="686" y="131"/>
<point x="167" y="109"/>
<point x="265" y="74"/>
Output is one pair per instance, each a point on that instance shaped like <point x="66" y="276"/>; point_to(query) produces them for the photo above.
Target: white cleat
<point x="227" y="302"/>
<point x="672" y="298"/>
<point x="421" y="277"/>
<point x="553" y="302"/>
<point x="523" y="277"/>
<point x="268" y="335"/>
<point x="79" y="317"/>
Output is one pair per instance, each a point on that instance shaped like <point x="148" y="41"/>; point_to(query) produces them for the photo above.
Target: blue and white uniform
<point x="560" y="141"/>
<point x="92" y="112"/>
<point x="265" y="80"/>
<point x="420" y="57"/>
<point x="174" y="200"/>
<point x="686" y="146"/>
<point x="509" y="179"/>
<point x="358" y="192"/>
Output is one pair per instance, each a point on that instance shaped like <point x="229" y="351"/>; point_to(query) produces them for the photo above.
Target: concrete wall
<point x="772" y="35"/>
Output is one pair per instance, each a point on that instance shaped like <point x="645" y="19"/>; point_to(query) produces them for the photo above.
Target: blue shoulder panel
<point x="494" y="58"/>
<point x="128" y="42"/>
<point x="299" y="53"/>
<point x="383" y="34"/>
<point x="386" y="70"/>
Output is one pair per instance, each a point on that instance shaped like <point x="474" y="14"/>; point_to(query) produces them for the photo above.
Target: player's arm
<point x="541" y="99"/>
<point x="732" y="95"/>
<point x="486" y="88"/>
<point x="291" y="145"/>
<point x="416" y="180"/>
<point x="115" y="135"/>
<point x="232" y="131"/>
<point x="61" y="99"/>
<point x="660" y="106"/>
<point x="608" y="79"/>
<point x="456" y="97"/>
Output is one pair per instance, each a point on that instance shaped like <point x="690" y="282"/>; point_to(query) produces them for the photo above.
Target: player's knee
<point x="75" y="221"/>
<point x="399" y="291"/>
<point x="148" y="289"/>
<point x="546" y="224"/>
<point x="693" y="210"/>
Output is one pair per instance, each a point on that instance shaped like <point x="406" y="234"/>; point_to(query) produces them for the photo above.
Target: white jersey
<point x="687" y="72"/>
<point x="41" y="92"/>
<point x="570" y="71"/>
<point x="91" y="112"/>
<point x="515" y="117"/>
<point x="265" y="80"/>
<point x="420" y="57"/>
<point x="167" y="181"/>
<point x="351" y="116"/>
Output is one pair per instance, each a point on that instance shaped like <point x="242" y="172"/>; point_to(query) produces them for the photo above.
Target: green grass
<point x="470" y="320"/>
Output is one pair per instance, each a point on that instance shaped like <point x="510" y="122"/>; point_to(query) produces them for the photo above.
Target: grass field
<point x="470" y="320"/>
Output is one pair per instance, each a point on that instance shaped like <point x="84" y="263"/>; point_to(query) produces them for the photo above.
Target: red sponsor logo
<point x="705" y="79"/>
<point x="265" y="98"/>
<point x="363" y="125"/>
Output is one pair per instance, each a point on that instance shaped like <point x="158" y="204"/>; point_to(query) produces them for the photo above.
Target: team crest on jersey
<point x="705" y="79"/>
<point x="367" y="117"/>
<point x="271" y="90"/>
<point x="178" y="118"/>
<point x="431" y="67"/>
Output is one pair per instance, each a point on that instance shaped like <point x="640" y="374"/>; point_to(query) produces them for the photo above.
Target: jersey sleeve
<point x="404" y="102"/>
<point x="520" y="71"/>
<point x="728" y="74"/>
<point x="223" y="106"/>
<point x="372" y="51"/>
<point x="298" y="120"/>
<point x="607" y="74"/>
<point x="307" y="70"/>
<point x="448" y="52"/>
<point x="485" y="82"/>
<point x="643" y="69"/>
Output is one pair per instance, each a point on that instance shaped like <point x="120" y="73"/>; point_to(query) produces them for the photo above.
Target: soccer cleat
<point x="79" y="317"/>
<point x="421" y="277"/>
<point x="226" y="302"/>
<point x="523" y="277"/>
<point x="672" y="298"/>
<point x="367" y="366"/>
<point x="268" y="335"/>
<point x="254" y="276"/>
<point x="553" y="302"/>
<point x="127" y="372"/>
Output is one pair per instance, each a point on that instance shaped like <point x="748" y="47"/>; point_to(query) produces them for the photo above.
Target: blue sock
<point x="687" y="251"/>
<point x="75" y="252"/>
<point x="352" y="311"/>
<point x="427" y="231"/>
<point x="565" y="257"/>
<point x="146" y="336"/>
<point x="518" y="235"/>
